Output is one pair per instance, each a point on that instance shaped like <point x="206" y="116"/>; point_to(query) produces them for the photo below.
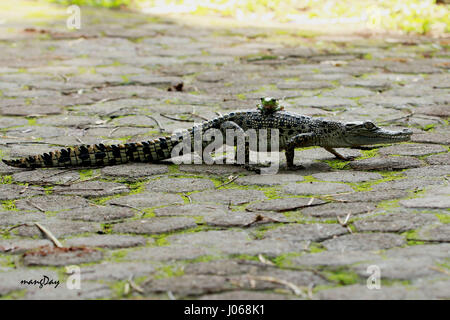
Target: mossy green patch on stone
<point x="284" y="260"/>
<point x="6" y="179"/>
<point x="342" y="276"/>
<point x="443" y="218"/>
<point x="168" y="271"/>
<point x="337" y="164"/>
<point x="9" y="205"/>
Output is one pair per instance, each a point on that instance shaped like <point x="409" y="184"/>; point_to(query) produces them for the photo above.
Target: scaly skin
<point x="295" y="131"/>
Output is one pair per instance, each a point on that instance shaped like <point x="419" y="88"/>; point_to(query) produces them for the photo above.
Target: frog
<point x="269" y="105"/>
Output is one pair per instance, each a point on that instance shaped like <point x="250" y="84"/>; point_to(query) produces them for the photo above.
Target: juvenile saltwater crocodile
<point x="295" y="131"/>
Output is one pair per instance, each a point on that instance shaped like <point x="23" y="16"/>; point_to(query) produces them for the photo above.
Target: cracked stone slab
<point x="307" y="85"/>
<point x="412" y="149"/>
<point x="437" y="233"/>
<point x="244" y="295"/>
<point x="338" y="209"/>
<point x="13" y="191"/>
<point x="134" y="170"/>
<point x="268" y="180"/>
<point x="17" y="245"/>
<point x="325" y="103"/>
<point x="428" y="202"/>
<point x="98" y="213"/>
<point x="385" y="163"/>
<point x="189" y="285"/>
<point x="179" y="185"/>
<point x="251" y="274"/>
<point x="107" y="241"/>
<point x="364" y="242"/>
<point x="361" y="292"/>
<point x="91" y="189"/>
<point x="371" y="196"/>
<point x="233" y="242"/>
<point x="243" y="218"/>
<point x="88" y="291"/>
<point x="26" y="111"/>
<point x="216" y="169"/>
<point x="147" y="200"/>
<point x="9" y="218"/>
<point x="430" y="171"/>
<point x="229" y="196"/>
<point x="438" y="159"/>
<point x="394" y="222"/>
<point x="333" y="259"/>
<point x="155" y="225"/>
<point x="116" y="271"/>
<point x="432" y="137"/>
<point x="48" y="256"/>
<point x="51" y="203"/>
<point x="11" y="280"/>
<point x="406" y="184"/>
<point x="169" y="253"/>
<point x="49" y="176"/>
<point x="59" y="228"/>
<point x="316" y="188"/>
<point x="348" y="92"/>
<point x="400" y="268"/>
<point x="315" y="232"/>
<point x="284" y="204"/>
<point x="348" y="176"/>
<point x="373" y="84"/>
<point x="192" y="209"/>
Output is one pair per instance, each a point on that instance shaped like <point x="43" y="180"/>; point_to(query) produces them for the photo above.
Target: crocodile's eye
<point x="369" y="125"/>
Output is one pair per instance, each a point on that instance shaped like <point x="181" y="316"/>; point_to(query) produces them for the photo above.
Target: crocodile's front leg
<point x="338" y="155"/>
<point x="302" y="140"/>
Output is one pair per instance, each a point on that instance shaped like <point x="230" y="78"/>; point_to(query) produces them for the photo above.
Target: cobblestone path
<point x="208" y="232"/>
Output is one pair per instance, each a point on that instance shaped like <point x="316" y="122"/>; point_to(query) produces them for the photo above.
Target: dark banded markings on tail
<point x="146" y="150"/>
<point x="131" y="151"/>
<point x="123" y="153"/>
<point x="47" y="159"/>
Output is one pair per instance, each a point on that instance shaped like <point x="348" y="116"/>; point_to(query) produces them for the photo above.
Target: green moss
<point x="342" y="277"/>
<point x="411" y="237"/>
<point x="125" y="78"/>
<point x="443" y="218"/>
<point x="9" y="205"/>
<point x="388" y="204"/>
<point x="284" y="260"/>
<point x="337" y="164"/>
<point x="6" y="179"/>
<point x="32" y="121"/>
<point x="119" y="255"/>
<point x="241" y="96"/>
<point x="160" y="240"/>
<point x="85" y="174"/>
<point x="15" y="295"/>
<point x="168" y="271"/>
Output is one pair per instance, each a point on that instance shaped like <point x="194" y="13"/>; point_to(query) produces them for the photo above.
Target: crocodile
<point x="295" y="131"/>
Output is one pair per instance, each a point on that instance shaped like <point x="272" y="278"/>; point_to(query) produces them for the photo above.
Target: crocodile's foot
<point x="259" y="168"/>
<point x="295" y="167"/>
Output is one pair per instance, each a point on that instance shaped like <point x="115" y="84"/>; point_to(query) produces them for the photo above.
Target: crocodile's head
<point x="367" y="133"/>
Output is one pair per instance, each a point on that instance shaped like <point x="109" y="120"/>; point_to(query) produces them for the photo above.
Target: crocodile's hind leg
<point x="246" y="160"/>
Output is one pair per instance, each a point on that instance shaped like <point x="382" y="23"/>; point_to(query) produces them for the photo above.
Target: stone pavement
<point x="164" y="231"/>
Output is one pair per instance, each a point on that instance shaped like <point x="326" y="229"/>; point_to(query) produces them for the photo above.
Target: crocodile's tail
<point x="99" y="155"/>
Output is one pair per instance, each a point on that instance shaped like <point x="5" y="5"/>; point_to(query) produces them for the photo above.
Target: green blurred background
<point x="406" y="16"/>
